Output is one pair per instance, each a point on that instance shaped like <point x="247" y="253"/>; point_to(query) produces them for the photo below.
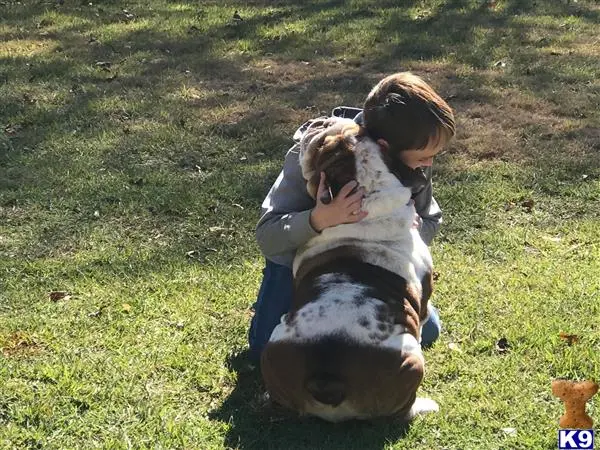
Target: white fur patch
<point x="405" y="342"/>
<point x="421" y="406"/>
<point x="343" y="310"/>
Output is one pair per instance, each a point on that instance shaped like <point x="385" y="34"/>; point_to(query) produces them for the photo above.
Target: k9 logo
<point x="575" y="439"/>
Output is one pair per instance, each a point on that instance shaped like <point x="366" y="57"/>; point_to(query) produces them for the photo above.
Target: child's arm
<point x="429" y="211"/>
<point x="284" y="224"/>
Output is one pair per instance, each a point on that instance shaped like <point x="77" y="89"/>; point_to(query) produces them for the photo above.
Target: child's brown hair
<point x="406" y="112"/>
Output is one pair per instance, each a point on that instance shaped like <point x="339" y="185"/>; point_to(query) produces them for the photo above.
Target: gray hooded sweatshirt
<point x="284" y="224"/>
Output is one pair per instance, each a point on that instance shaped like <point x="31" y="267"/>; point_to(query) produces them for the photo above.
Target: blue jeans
<point x="275" y="299"/>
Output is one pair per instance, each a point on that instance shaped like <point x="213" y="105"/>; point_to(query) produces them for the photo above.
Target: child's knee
<point x="431" y="329"/>
<point x="274" y="300"/>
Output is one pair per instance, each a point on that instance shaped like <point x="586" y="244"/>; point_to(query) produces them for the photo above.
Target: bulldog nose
<point x="327" y="389"/>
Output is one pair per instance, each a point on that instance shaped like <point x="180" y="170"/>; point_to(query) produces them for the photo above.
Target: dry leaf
<point x="127" y="15"/>
<point x="570" y="339"/>
<point x="552" y="238"/>
<point x="531" y="249"/>
<point x="178" y="325"/>
<point x="528" y="204"/>
<point x="454" y="347"/>
<point x="98" y="312"/>
<point x="59" y="295"/>
<point x="105" y="65"/>
<point x="20" y="343"/>
<point x="502" y="346"/>
<point x="12" y="129"/>
<point x="29" y="99"/>
<point x="126" y="307"/>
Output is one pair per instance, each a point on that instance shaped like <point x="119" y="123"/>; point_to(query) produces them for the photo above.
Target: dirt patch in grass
<point x="20" y="344"/>
<point x="26" y="48"/>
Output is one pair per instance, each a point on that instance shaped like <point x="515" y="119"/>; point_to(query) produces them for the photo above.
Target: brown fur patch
<point x="426" y="291"/>
<point x="344" y="372"/>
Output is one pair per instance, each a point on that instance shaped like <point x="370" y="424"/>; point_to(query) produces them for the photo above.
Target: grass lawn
<point x="137" y="141"/>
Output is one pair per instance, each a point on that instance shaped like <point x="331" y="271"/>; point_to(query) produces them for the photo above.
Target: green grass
<point x="135" y="186"/>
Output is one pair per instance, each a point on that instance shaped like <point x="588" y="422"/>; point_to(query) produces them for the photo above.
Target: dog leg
<point x="422" y="406"/>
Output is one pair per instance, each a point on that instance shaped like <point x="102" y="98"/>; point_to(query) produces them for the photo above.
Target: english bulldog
<point x="350" y="346"/>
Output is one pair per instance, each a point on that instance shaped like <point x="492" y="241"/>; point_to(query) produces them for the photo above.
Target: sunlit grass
<point x="137" y="145"/>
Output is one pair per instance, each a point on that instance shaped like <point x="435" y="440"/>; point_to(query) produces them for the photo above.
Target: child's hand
<point x="416" y="224"/>
<point x="344" y="208"/>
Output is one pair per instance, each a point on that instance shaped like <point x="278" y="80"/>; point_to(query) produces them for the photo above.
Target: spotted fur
<point x="350" y="318"/>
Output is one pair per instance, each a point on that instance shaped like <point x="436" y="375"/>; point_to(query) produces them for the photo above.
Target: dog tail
<point x="326" y="388"/>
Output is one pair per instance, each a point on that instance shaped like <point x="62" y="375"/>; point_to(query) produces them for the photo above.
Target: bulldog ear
<point x="309" y="148"/>
<point x="310" y="157"/>
<point x="308" y="162"/>
<point x="312" y="185"/>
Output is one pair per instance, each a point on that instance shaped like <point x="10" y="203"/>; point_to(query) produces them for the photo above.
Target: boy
<point x="411" y="123"/>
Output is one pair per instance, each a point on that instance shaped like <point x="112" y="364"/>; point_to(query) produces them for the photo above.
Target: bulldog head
<point x="341" y="149"/>
<point x="331" y="151"/>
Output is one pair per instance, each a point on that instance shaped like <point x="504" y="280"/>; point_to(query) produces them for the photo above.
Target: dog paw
<point x="422" y="406"/>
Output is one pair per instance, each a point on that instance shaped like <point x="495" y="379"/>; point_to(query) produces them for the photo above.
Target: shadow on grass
<point x="449" y="28"/>
<point x="155" y="138"/>
<point x="256" y="424"/>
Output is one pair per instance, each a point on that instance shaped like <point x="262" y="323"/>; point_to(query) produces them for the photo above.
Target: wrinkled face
<point x="348" y="155"/>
